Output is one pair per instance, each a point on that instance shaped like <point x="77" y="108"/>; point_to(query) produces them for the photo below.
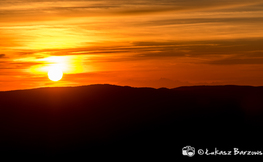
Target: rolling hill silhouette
<point x="108" y="119"/>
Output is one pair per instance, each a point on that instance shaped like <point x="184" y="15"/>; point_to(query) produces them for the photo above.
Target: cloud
<point x="191" y="21"/>
<point x="2" y="55"/>
<point x="143" y="48"/>
<point x="16" y="65"/>
<point x="44" y="10"/>
<point x="236" y="61"/>
<point x="219" y="52"/>
<point x="209" y="47"/>
<point x="228" y="51"/>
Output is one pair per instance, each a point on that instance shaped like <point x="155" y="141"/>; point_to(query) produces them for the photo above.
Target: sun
<point x="55" y="74"/>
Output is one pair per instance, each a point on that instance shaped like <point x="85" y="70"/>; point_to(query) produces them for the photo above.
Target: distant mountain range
<point x="113" y="120"/>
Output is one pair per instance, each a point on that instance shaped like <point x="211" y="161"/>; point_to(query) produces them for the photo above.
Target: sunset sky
<point x="140" y="43"/>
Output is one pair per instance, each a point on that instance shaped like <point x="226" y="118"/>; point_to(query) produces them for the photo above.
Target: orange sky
<point x="164" y="43"/>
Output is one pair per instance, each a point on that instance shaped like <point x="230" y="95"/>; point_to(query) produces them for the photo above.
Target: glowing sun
<point x="55" y="74"/>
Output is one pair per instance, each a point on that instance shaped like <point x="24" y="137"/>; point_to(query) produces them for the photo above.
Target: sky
<point x="139" y="43"/>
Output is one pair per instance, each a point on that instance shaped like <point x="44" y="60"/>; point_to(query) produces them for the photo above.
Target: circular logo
<point x="188" y="151"/>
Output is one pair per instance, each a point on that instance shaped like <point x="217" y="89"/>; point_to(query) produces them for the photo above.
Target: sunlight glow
<point x="68" y="64"/>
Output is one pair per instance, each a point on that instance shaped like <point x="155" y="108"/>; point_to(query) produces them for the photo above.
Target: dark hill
<point x="107" y="119"/>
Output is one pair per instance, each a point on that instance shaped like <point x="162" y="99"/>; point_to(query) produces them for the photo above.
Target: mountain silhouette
<point x="113" y="120"/>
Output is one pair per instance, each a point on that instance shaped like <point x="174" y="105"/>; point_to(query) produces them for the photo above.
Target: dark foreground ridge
<point x="107" y="119"/>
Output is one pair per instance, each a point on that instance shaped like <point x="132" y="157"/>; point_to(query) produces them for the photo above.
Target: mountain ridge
<point x="140" y="87"/>
<point x="60" y="121"/>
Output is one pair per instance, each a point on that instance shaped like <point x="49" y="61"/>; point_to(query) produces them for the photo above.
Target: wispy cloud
<point x="2" y="55"/>
<point x="57" y="9"/>
<point x="215" y="51"/>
